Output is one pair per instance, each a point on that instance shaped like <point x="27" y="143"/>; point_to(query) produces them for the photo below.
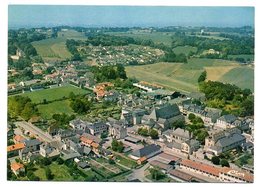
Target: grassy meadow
<point x="54" y="49"/>
<point x="183" y="77"/>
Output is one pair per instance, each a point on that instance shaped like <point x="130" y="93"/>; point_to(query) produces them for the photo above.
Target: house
<point x="147" y="151"/>
<point x="164" y="167"/>
<point x="220" y="141"/>
<point x="46" y="150"/>
<point x="97" y="128"/>
<point x="78" y="124"/>
<point x="168" y="159"/>
<point x="196" y="167"/>
<point x="93" y="138"/>
<point x="83" y="165"/>
<point x="231" y="175"/>
<point x="13" y="150"/>
<point x="211" y="115"/>
<point x="62" y="134"/>
<point x="190" y="146"/>
<point x="26" y="155"/>
<point x="32" y="145"/>
<point x="142" y="160"/>
<point x="148" y="87"/>
<point x="163" y="115"/>
<point x="225" y="121"/>
<point x="181" y="175"/>
<point x="181" y="135"/>
<point x="69" y="154"/>
<point x="111" y="96"/>
<point x="19" y="139"/>
<point x="117" y="129"/>
<point x="17" y="168"/>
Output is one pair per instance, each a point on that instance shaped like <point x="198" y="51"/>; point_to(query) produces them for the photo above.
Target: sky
<point x="128" y="16"/>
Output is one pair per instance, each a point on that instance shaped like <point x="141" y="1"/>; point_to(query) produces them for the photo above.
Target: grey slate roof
<point x="226" y="141"/>
<point x="86" y="150"/>
<point x="32" y="142"/>
<point x="165" y="112"/>
<point x="146" y="150"/>
<point x="181" y="133"/>
<point x="228" y="118"/>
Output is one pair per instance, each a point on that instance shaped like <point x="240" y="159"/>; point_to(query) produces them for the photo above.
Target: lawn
<point x="184" y="49"/>
<point x="183" y="77"/>
<point x="53" y="93"/>
<point x="60" y="172"/>
<point x="246" y="159"/>
<point x="164" y="179"/>
<point x="128" y="162"/>
<point x="58" y="107"/>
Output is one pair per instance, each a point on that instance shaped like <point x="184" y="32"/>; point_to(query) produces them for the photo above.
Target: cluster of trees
<point x="170" y="56"/>
<point x="219" y="94"/>
<point x="108" y="73"/>
<point x="145" y="132"/>
<point x="202" y="77"/>
<point x="117" y="146"/>
<point x="217" y="161"/>
<point x="157" y="174"/>
<point x="61" y="120"/>
<point x="72" y="47"/>
<point x="80" y="104"/>
<point x="197" y="128"/>
<point x="233" y="46"/>
<point x="21" y="106"/>
<point x="21" y="39"/>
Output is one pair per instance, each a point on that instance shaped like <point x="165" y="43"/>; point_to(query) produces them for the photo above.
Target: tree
<point x="143" y="131"/>
<point x="157" y="174"/>
<point x="224" y="162"/>
<point x="154" y="134"/>
<point x="48" y="173"/>
<point x="28" y="111"/>
<point x="191" y="116"/>
<point x="178" y="124"/>
<point x="215" y="160"/>
<point x="117" y="146"/>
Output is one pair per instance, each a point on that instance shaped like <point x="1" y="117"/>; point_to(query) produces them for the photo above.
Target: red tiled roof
<point x="201" y="167"/>
<point x="242" y="175"/>
<point x="16" y="166"/>
<point x="18" y="138"/>
<point x="15" y="147"/>
<point x="86" y="140"/>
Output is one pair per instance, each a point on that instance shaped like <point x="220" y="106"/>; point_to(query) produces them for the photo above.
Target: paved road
<point x="140" y="174"/>
<point x="35" y="130"/>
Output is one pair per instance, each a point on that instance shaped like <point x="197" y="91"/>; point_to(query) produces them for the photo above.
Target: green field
<point x="53" y="93"/>
<point x="243" y="77"/>
<point x="58" y="107"/>
<point x="183" y="77"/>
<point x="157" y="37"/>
<point x="251" y="57"/>
<point x="184" y="49"/>
<point x="55" y="48"/>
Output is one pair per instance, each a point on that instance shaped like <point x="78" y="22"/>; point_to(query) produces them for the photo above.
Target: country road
<point x="35" y="130"/>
